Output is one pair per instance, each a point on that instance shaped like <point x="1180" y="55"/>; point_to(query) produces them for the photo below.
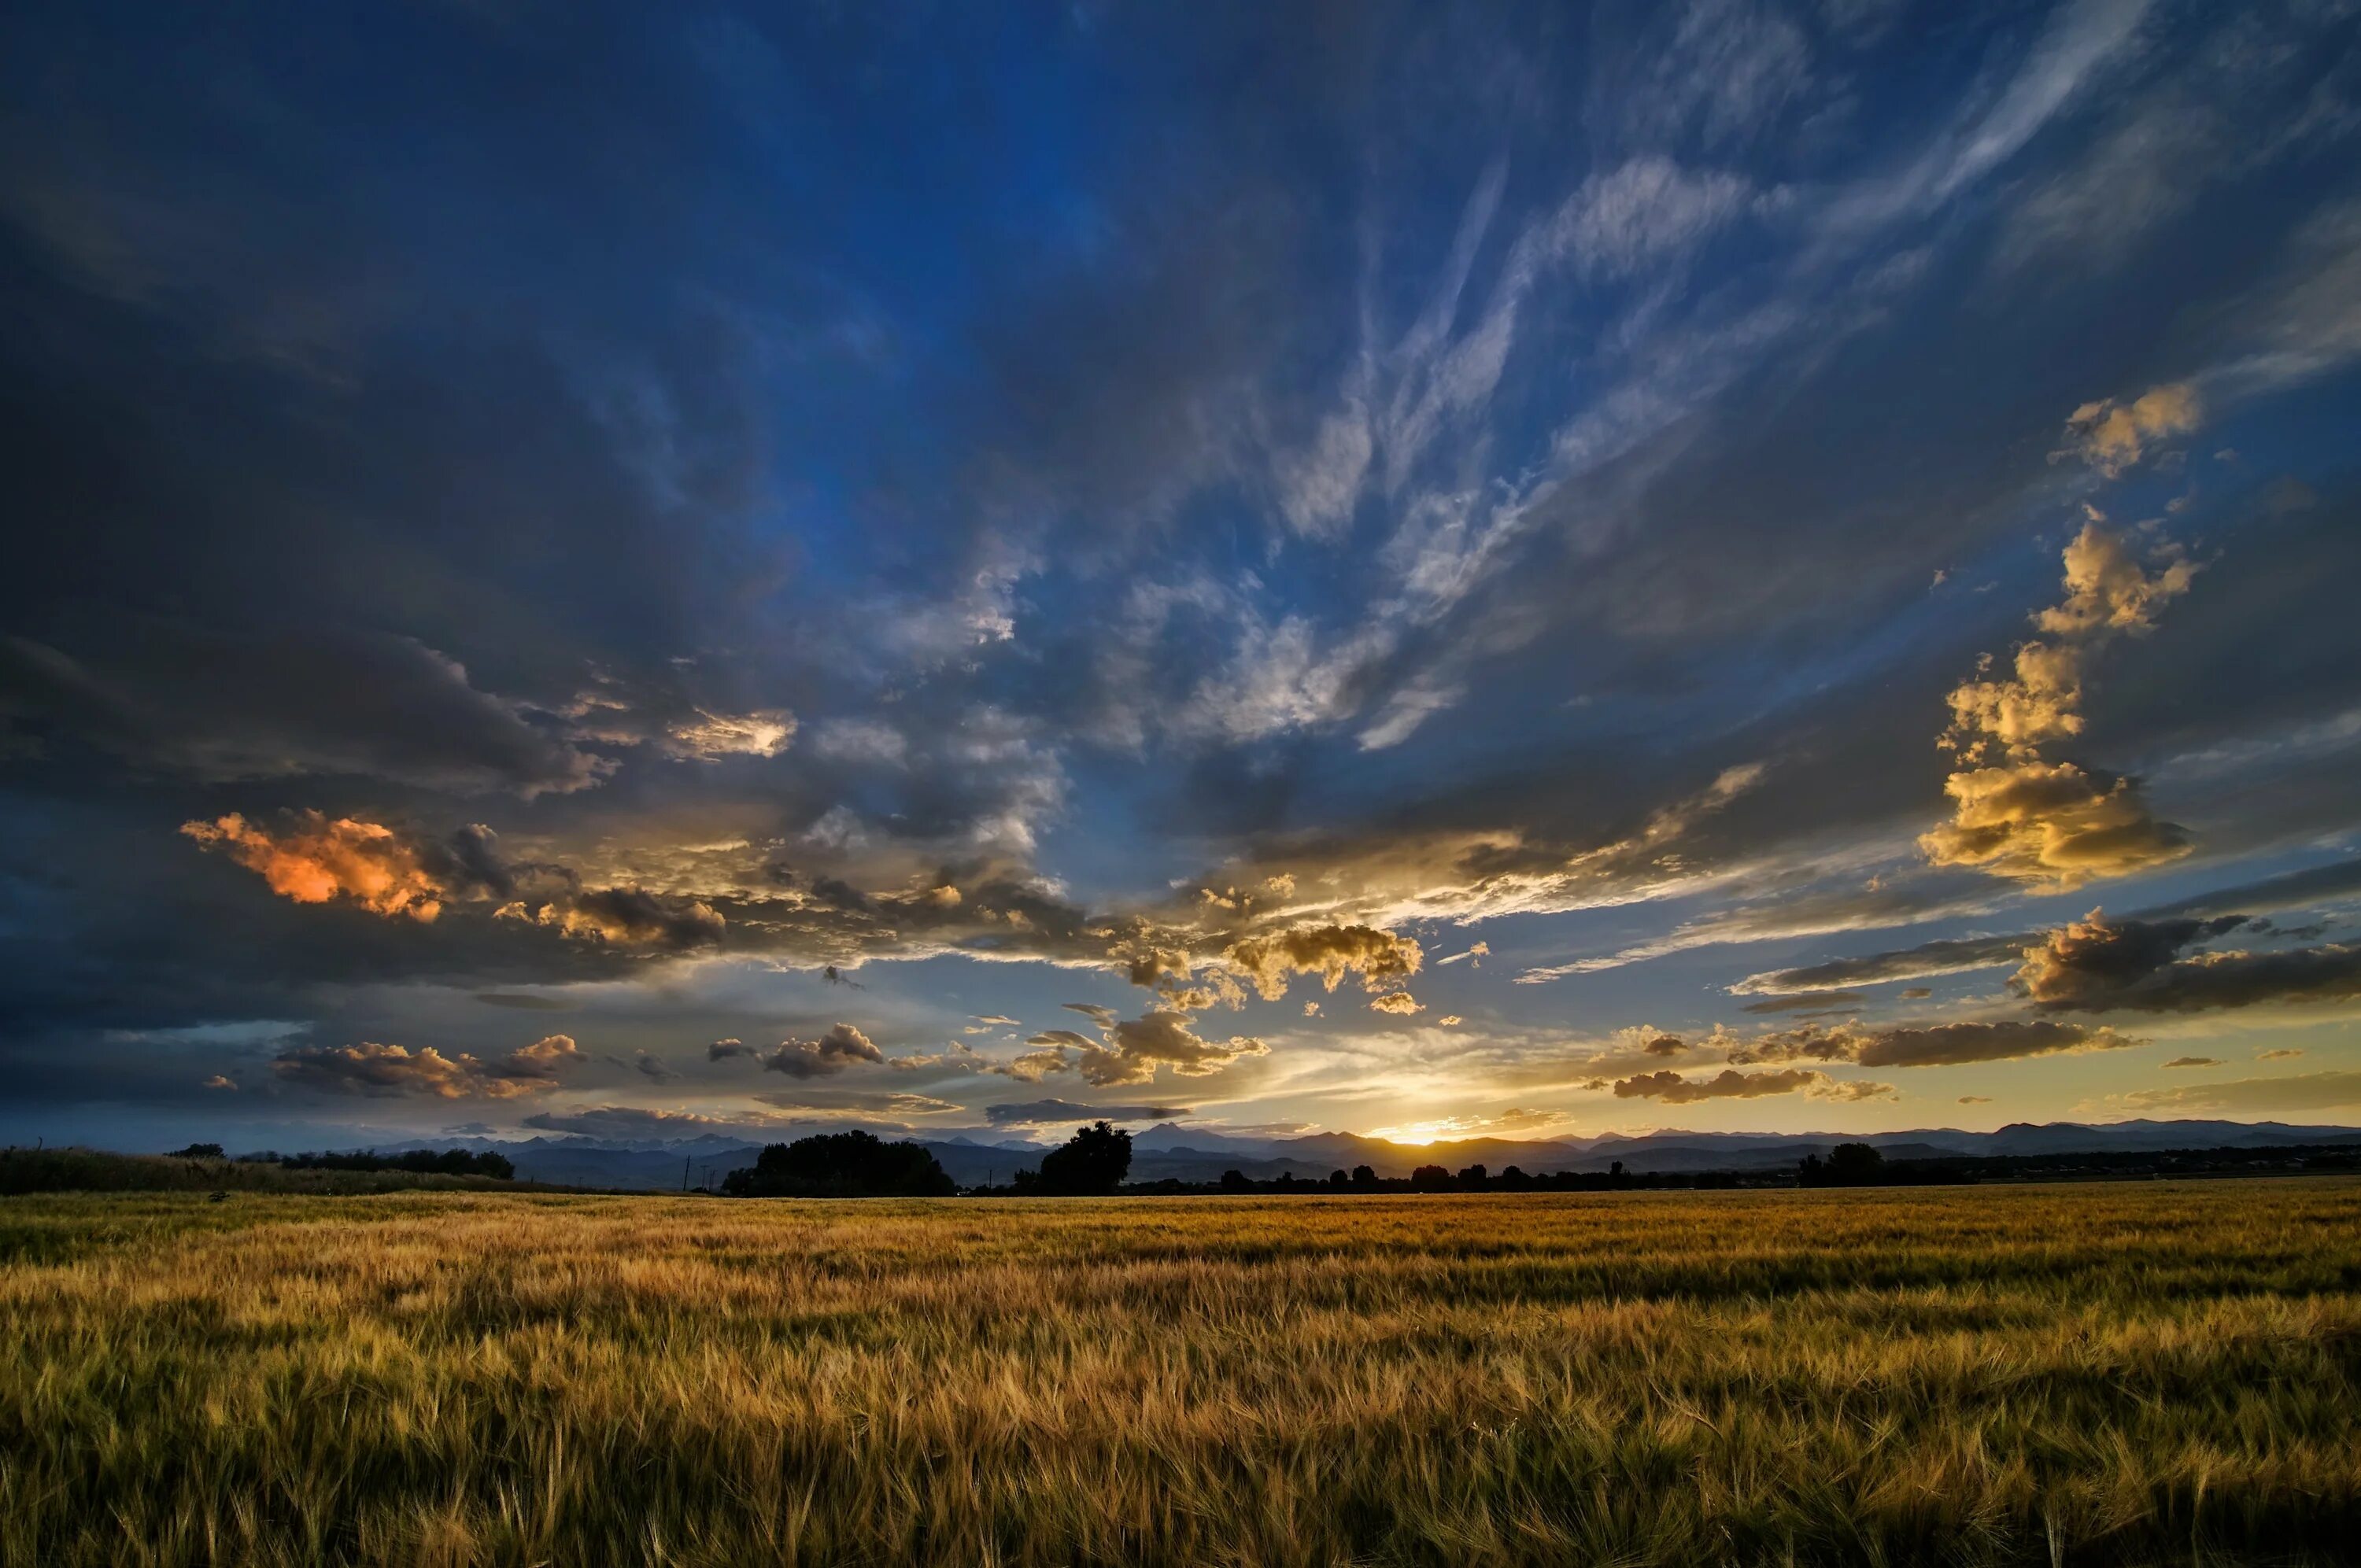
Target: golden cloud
<point x="372" y="1068"/>
<point x="2111" y="435"/>
<point x="1729" y="1084"/>
<point x="2017" y="814"/>
<point x="317" y="859"/>
<point x="1329" y="951"/>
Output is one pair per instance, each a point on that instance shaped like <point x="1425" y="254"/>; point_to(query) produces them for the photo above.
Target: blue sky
<point x="1421" y="567"/>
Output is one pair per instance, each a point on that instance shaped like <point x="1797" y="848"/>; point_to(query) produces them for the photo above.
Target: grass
<point x="2128" y="1373"/>
<point x="73" y="1170"/>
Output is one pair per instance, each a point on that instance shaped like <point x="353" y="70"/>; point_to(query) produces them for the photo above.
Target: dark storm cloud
<point x="229" y="706"/>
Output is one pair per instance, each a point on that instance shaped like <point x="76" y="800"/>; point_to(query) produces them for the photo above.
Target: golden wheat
<point x="2134" y="1373"/>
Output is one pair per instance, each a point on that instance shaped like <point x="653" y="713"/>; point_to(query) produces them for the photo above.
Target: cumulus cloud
<point x="723" y="1050"/>
<point x="2084" y="964"/>
<point x="2018" y="813"/>
<point x="1929" y="1044"/>
<point x="1399" y="1002"/>
<point x="834" y="1051"/>
<point x="1329" y="951"/>
<point x="2112" y="436"/>
<point x="2200" y="981"/>
<point x="387" y="1070"/>
<point x="1729" y="1084"/>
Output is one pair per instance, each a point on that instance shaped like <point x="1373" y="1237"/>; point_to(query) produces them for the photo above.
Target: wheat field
<point x="2135" y="1372"/>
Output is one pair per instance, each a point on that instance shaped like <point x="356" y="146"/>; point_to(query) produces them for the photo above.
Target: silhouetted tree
<point x="1235" y="1182"/>
<point x="1431" y="1178"/>
<point x="1337" y="1178"/>
<point x="1364" y="1176"/>
<point x="1474" y="1179"/>
<point x="1094" y="1160"/>
<point x="1514" y="1179"/>
<point x="1855" y="1165"/>
<point x="840" y="1164"/>
<point x="199" y="1151"/>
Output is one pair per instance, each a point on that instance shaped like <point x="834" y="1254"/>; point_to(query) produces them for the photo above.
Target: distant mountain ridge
<point x="1170" y="1151"/>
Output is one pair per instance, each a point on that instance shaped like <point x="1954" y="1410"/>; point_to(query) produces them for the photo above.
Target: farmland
<point x="2131" y="1372"/>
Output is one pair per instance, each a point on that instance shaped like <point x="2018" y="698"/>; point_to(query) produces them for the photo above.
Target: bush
<point x="840" y="1164"/>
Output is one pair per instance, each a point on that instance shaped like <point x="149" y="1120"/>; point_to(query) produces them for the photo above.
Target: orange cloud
<point x="317" y="860"/>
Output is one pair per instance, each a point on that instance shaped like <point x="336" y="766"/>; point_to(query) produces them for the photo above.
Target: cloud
<point x="1161" y="1037"/>
<point x="1948" y="955"/>
<point x="2300" y="889"/>
<point x="1450" y="1021"/>
<point x="1929" y="1044"/>
<point x="723" y="1050"/>
<point x="221" y="706"/>
<point x="387" y="1070"/>
<point x="1729" y="1084"/>
<point x="631" y="917"/>
<point x="2194" y="1061"/>
<point x="1399" y="1002"/>
<point x="1037" y="1112"/>
<point x="2201" y="983"/>
<point x="1329" y="951"/>
<point x="2112" y="436"/>
<point x="830" y="1054"/>
<point x="1805" y="1000"/>
<point x="2306" y="1093"/>
<point x="708" y="737"/>
<point x="2085" y="965"/>
<point x="1644" y="211"/>
<point x="314" y="860"/>
<point x="2281" y="1053"/>
<point x="2017" y="814"/>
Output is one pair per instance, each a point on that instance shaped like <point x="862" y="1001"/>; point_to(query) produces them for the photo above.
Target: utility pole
<point x="684" y="1172"/>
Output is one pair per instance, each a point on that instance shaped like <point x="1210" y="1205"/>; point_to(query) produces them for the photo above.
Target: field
<point x="2139" y="1372"/>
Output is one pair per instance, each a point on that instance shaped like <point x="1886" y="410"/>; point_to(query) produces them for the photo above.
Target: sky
<point x="1426" y="569"/>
